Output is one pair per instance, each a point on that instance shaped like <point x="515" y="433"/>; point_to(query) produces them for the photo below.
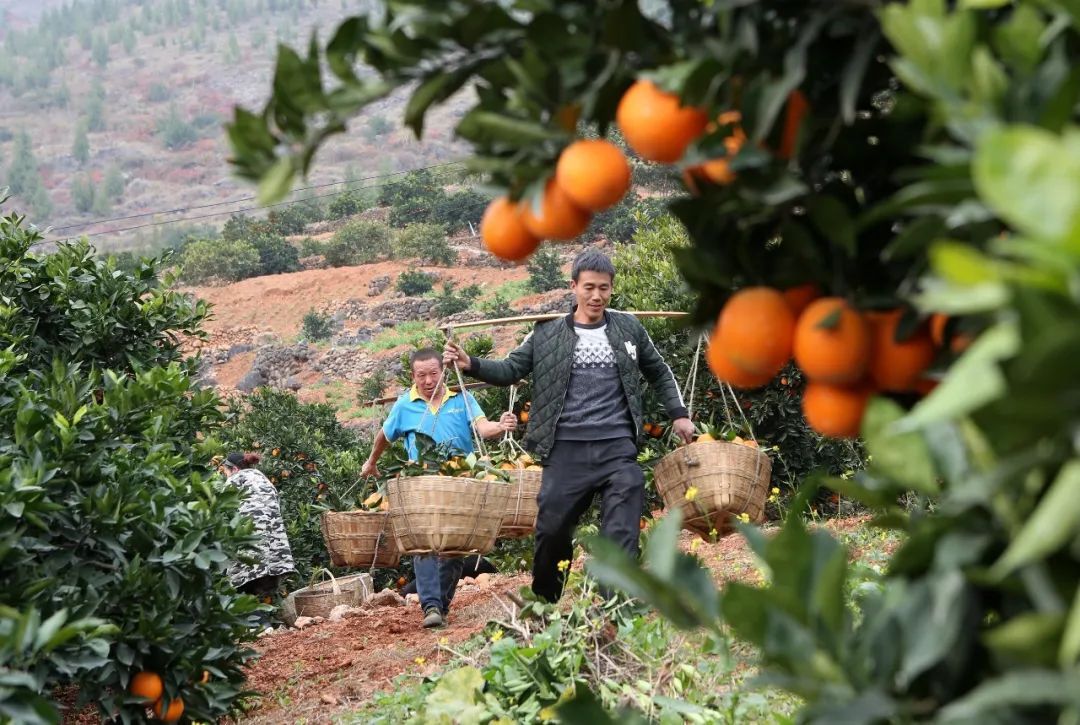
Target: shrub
<point x="115" y="541"/>
<point x="456" y="210"/>
<point x="545" y="271"/>
<point x="158" y="93"/>
<point x="228" y="260"/>
<point x="175" y="132"/>
<point x="448" y="302"/>
<point x="346" y="204"/>
<point x="414" y="282"/>
<point x="82" y="193"/>
<point x="276" y="255"/>
<point x="294" y="218"/>
<point x="373" y="386"/>
<point x="426" y="242"/>
<point x="358" y="242"/>
<point x="317" y="326"/>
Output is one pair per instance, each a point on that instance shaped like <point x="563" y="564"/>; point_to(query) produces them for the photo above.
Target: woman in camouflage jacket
<point x="272" y="552"/>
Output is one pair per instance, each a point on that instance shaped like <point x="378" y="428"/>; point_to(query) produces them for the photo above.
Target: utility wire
<point x="231" y="211"/>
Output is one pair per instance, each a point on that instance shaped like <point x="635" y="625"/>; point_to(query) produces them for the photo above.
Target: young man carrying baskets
<point x="586" y="415"/>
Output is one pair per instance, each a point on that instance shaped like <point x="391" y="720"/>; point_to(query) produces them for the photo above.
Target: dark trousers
<point x="436" y="580"/>
<point x="574" y="472"/>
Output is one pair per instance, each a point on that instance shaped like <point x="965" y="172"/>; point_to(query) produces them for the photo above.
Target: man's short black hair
<point x="424" y="353"/>
<point x="592" y="260"/>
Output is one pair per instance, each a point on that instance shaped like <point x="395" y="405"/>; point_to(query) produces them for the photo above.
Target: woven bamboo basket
<point x="318" y="600"/>
<point x="446" y="515"/>
<point x="730" y="480"/>
<point x="360" y="539"/>
<point x="521" y="506"/>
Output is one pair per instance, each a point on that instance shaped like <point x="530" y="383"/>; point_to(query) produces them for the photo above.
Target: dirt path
<point x="328" y="670"/>
<point x="331" y="668"/>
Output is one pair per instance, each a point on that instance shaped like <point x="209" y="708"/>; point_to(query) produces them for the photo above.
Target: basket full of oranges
<point x="718" y="477"/>
<point x="447" y="504"/>
<point x="361" y="538"/>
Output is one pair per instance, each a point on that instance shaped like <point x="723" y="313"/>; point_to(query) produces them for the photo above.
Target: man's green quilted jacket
<point x="548" y="354"/>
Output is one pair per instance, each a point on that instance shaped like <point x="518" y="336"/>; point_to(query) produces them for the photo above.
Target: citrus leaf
<point x="1054" y="522"/>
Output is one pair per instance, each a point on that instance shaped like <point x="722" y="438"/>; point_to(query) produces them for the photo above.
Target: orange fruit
<point x="938" y="324"/>
<point x="925" y="386"/>
<point x="755" y="330"/>
<point x="896" y="366"/>
<point x="504" y="233"/>
<point x="797" y="108"/>
<point x="729" y="372"/>
<point x="559" y="217"/>
<point x="834" y="410"/>
<point x="799" y="298"/>
<point x="593" y="173"/>
<point x="205" y="677"/>
<point x="656" y="125"/>
<point x="523" y="416"/>
<point x="147" y="685"/>
<point x="173" y="713"/>
<point x="837" y="355"/>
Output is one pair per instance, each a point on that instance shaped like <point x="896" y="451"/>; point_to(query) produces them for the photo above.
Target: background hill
<point x="114" y="108"/>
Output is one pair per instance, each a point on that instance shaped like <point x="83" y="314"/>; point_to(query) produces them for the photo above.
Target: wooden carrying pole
<point x="544" y="317"/>
<point x="449" y="329"/>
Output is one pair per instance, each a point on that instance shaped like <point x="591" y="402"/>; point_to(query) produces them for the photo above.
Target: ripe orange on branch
<point x="147" y="685"/>
<point x="836" y="353"/>
<point x="834" y="410"/>
<point x="172" y="713"/>
<point x="594" y="173"/>
<point x="755" y="330"/>
<point x="559" y="217"/>
<point x="896" y="366"/>
<point x="726" y="371"/>
<point x="504" y="233"/>
<point x="656" y="125"/>
<point x="800" y="297"/>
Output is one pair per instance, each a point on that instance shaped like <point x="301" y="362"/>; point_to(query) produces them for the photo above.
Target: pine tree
<point x="81" y="148"/>
<point x="24" y="179"/>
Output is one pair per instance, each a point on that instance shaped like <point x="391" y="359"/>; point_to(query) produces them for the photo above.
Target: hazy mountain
<point x="114" y="108"/>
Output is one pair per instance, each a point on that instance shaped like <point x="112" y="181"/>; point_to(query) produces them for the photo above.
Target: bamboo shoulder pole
<point x="448" y="329"/>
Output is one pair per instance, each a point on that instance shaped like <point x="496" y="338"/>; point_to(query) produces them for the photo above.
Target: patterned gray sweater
<point x="595" y="407"/>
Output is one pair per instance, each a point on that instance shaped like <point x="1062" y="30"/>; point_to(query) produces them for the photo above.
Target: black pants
<point x="574" y="472"/>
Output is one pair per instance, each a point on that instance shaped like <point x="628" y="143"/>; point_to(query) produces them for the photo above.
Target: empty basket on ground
<point x="521" y="506"/>
<point x="446" y="515"/>
<point x="360" y="538"/>
<point x="728" y="480"/>
<point x="318" y="600"/>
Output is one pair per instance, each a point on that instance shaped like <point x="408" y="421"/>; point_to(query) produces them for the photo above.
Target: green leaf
<point x="962" y="264"/>
<point x="974" y="380"/>
<point x="833" y="222"/>
<point x="1032" y="179"/>
<point x="1053" y="524"/>
<point x="277" y="182"/>
<point x="489" y="127"/>
<point x="435" y="88"/>
<point x="1069" y="650"/>
<point x="1016" y="688"/>
<point x="904" y="457"/>
<point x="1029" y="636"/>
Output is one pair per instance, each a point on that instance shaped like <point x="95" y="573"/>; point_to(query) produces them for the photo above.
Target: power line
<point x="246" y="198"/>
<point x="229" y="212"/>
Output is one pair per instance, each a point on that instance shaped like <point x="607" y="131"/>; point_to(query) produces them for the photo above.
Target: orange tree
<point x="113" y="539"/>
<point x="907" y="158"/>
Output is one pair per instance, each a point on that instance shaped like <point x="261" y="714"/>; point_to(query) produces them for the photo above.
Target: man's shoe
<point x="433" y="618"/>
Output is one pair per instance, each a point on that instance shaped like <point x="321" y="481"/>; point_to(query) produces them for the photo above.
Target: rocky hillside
<point x="256" y="336"/>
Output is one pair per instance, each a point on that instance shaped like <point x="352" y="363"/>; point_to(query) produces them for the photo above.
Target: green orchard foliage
<point x="113" y="540"/>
